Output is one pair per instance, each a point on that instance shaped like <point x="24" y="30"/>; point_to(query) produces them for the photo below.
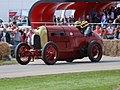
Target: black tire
<point x="95" y="51"/>
<point x="50" y="53"/>
<point x="20" y="55"/>
<point x="69" y="60"/>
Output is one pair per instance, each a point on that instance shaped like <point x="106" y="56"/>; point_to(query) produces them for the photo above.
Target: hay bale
<point x="4" y="50"/>
<point x="118" y="48"/>
<point x="107" y="46"/>
<point x="112" y="47"/>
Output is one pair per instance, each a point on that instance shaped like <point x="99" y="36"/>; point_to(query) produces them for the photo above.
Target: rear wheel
<point x="50" y="53"/>
<point x="94" y="51"/>
<point x="22" y="54"/>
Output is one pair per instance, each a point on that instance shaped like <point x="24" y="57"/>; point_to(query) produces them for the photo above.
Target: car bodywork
<point x="70" y="41"/>
<point x="58" y="43"/>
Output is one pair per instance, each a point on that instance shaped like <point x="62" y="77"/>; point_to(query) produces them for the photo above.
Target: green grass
<point x="2" y="62"/>
<point x="101" y="80"/>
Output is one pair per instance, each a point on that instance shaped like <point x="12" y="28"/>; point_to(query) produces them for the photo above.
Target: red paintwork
<point x="64" y="43"/>
<point x="34" y="53"/>
<point x="70" y="40"/>
<point x="51" y="53"/>
<point x="29" y="53"/>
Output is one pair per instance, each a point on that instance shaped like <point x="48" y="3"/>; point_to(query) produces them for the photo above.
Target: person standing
<point x="72" y="20"/>
<point x="30" y="37"/>
<point x="96" y="19"/>
<point x="104" y="21"/>
<point x="92" y="14"/>
<point x="117" y="20"/>
<point x="17" y="37"/>
<point x="112" y="14"/>
<point x="0" y="36"/>
<point x="6" y="36"/>
<point x="1" y="20"/>
<point x="55" y="20"/>
<point x="87" y="18"/>
<point x="116" y="23"/>
<point x="64" y="20"/>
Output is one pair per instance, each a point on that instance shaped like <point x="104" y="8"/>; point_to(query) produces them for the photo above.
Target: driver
<point x="78" y="25"/>
<point x="84" y="28"/>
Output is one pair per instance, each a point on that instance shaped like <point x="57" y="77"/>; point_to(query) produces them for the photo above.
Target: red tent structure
<point x="43" y="10"/>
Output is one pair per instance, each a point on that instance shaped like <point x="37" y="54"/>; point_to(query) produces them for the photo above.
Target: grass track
<point x="101" y="80"/>
<point x="2" y="62"/>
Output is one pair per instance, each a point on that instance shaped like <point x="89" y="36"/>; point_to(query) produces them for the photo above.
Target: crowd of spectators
<point x="18" y="20"/>
<point x="10" y="32"/>
<point x="106" y="16"/>
<point x="109" y="20"/>
<point x="108" y="33"/>
<point x="64" y="20"/>
<point x="106" y="23"/>
<point x="13" y="33"/>
<point x="16" y="35"/>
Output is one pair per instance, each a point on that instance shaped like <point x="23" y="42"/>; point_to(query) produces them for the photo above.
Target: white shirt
<point x="119" y="36"/>
<point x="110" y="30"/>
<point x="17" y="36"/>
<point x="64" y="21"/>
<point x="112" y="15"/>
<point x="4" y="37"/>
<point x="32" y="39"/>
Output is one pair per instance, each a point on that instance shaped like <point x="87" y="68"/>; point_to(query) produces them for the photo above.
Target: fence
<point x="72" y="24"/>
<point x="113" y="29"/>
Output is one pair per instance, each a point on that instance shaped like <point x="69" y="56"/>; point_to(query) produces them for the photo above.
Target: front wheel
<point x="95" y="51"/>
<point x="50" y="53"/>
<point x="22" y="54"/>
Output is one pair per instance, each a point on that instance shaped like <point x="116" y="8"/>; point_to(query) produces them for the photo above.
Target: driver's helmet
<point x="84" y="24"/>
<point x="77" y="23"/>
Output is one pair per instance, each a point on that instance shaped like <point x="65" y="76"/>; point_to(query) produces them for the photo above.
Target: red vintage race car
<point x="60" y="43"/>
